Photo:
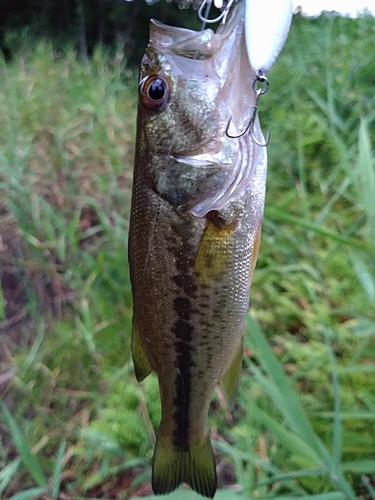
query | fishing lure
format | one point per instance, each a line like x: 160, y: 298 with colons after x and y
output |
x: 267, y: 24
x: 266, y: 28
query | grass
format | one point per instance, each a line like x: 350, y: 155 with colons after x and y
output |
x: 74, y: 422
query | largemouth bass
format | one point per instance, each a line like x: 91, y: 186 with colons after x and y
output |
x: 196, y: 215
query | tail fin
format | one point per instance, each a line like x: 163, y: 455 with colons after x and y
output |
x: 173, y: 465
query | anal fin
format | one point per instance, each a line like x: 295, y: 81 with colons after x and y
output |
x: 231, y: 377
x: 142, y: 365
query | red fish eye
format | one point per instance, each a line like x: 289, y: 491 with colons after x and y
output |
x: 154, y: 92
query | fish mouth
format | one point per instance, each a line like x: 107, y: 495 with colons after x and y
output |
x: 196, y: 44
x: 187, y: 47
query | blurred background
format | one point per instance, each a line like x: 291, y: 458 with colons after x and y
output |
x: 90, y: 23
x: 74, y: 423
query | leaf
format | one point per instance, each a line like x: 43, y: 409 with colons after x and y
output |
x: 291, y: 408
x: 8, y: 472
x: 2, y: 304
x: 23, y: 448
x: 337, y: 419
x: 30, y: 494
x: 57, y: 470
x: 294, y: 443
x: 359, y: 466
x: 278, y: 214
x: 364, y: 274
x: 364, y: 177
x: 334, y: 495
x: 286, y: 398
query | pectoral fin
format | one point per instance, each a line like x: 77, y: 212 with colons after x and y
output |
x: 254, y: 256
x: 214, y: 252
x: 142, y: 365
x: 231, y: 377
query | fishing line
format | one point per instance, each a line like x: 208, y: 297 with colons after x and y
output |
x: 204, y: 19
x: 219, y: 5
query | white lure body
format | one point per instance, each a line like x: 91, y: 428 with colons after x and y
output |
x: 267, y: 24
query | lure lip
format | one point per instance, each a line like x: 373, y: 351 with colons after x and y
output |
x: 267, y: 25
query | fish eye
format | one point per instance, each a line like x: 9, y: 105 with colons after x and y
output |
x: 154, y: 92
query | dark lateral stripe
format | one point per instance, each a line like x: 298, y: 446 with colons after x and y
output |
x: 183, y: 332
x: 182, y: 398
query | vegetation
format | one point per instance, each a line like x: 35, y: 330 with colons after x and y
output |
x: 88, y: 23
x: 74, y: 423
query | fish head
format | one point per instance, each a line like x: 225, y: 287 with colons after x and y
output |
x: 191, y: 85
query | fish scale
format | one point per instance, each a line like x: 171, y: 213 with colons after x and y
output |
x: 191, y: 273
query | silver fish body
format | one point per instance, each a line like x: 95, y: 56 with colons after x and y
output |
x: 196, y: 215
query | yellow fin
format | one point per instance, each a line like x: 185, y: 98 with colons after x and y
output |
x: 231, y: 377
x: 214, y: 252
x: 254, y: 256
x: 142, y: 365
x: 173, y: 465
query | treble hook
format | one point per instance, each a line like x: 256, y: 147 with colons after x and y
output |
x: 222, y: 16
x: 261, y: 78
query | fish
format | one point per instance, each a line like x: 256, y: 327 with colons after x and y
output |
x: 196, y: 215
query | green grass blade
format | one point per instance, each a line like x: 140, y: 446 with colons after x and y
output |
x: 365, y: 415
x: 291, y: 408
x: 23, y: 448
x: 364, y: 177
x: 293, y: 475
x: 337, y: 423
x: 97, y: 477
x: 278, y: 214
x: 8, y: 472
x: 2, y: 304
x: 327, y: 110
x: 294, y: 443
x: 288, y: 401
x: 30, y: 494
x: 365, y: 277
x: 33, y: 351
x: 359, y: 466
x: 335, y: 495
x: 367, y: 482
x: 57, y: 470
